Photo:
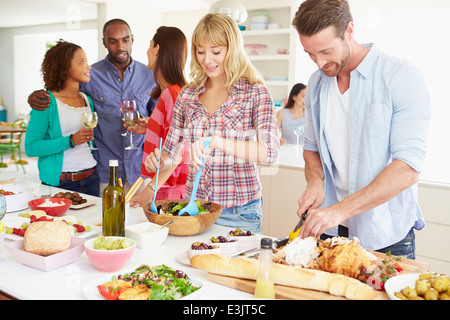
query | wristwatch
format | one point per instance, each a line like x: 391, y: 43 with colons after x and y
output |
x: 151, y: 185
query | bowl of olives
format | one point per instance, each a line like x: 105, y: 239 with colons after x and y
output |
x: 203, y: 248
x: 228, y: 246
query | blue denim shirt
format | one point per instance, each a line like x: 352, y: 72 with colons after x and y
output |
x: 389, y: 115
x: 107, y: 89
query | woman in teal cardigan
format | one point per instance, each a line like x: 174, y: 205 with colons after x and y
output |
x: 56, y: 135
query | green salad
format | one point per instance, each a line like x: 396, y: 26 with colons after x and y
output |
x: 165, y: 282
x: 174, y: 208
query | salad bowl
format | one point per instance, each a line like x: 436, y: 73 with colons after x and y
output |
x: 184, y: 225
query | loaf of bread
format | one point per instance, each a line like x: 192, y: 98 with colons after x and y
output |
x: 47, y: 237
x: 247, y: 268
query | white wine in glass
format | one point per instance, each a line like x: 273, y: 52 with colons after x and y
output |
x: 131, y: 121
x: 90, y: 120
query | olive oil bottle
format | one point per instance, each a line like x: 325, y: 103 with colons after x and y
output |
x: 265, y: 287
x: 113, y: 204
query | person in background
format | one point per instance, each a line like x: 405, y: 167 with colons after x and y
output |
x: 227, y: 102
x: 57, y: 135
x: 114, y: 78
x: 365, y: 142
x: 293, y: 114
x: 167, y: 56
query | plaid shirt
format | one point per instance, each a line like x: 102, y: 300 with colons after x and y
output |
x: 247, y: 115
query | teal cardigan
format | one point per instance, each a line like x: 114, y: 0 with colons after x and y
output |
x: 44, y: 139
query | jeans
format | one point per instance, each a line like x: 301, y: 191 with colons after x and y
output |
x: 90, y: 185
x: 404, y: 248
x: 247, y: 217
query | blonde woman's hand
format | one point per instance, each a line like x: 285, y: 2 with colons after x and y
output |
x: 198, y: 152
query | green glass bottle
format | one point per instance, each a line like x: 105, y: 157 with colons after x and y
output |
x: 113, y: 204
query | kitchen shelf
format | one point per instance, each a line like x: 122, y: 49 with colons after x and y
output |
x: 269, y: 57
x: 266, y: 32
x: 268, y: 62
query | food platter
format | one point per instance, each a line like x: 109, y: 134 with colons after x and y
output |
x: 13, y: 221
x: 90, y: 290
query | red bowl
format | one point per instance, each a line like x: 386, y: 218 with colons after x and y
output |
x: 56, y: 211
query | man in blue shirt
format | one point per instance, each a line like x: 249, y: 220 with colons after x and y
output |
x: 365, y: 141
x: 114, y: 78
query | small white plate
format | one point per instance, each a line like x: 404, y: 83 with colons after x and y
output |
x: 400, y: 282
x: 90, y: 290
x: 88, y: 203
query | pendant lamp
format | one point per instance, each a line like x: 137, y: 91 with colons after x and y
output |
x: 232, y: 8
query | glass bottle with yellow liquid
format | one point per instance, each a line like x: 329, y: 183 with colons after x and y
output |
x: 265, y: 287
x: 113, y: 204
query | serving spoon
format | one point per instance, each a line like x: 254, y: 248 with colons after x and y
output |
x: 191, y: 208
x: 153, y: 205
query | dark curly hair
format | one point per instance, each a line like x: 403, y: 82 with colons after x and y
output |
x: 56, y: 65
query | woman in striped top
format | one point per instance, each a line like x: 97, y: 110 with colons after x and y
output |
x: 166, y: 58
x: 228, y: 102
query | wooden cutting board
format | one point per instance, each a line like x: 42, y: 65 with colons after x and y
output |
x: 291, y: 293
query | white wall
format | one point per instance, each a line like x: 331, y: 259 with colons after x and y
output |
x: 415, y: 31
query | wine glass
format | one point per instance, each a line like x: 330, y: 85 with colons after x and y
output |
x: 2, y: 206
x: 298, y: 131
x: 125, y: 106
x: 90, y: 120
x: 131, y: 121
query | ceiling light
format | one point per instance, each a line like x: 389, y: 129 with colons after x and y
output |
x: 233, y: 8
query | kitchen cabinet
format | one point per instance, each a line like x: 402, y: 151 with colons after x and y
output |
x: 277, y: 69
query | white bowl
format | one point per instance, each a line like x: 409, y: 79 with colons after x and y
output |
x: 246, y: 242
x: 192, y: 252
x: 147, y: 234
x: 230, y: 247
x: 19, y: 200
x: 400, y: 282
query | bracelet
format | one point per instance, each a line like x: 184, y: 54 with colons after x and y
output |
x: 71, y: 141
x: 151, y: 185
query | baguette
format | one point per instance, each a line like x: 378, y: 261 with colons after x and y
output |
x: 247, y: 268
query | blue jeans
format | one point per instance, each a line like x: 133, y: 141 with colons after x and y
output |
x: 404, y: 248
x: 247, y: 217
x: 90, y: 185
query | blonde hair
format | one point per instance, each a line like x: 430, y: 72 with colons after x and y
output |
x: 220, y: 30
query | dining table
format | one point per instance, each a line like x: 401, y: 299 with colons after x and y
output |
x: 4, y: 129
x: 76, y: 281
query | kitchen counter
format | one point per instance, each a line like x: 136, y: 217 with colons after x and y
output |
x: 23, y: 282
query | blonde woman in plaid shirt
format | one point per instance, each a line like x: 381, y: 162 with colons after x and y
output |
x: 228, y: 102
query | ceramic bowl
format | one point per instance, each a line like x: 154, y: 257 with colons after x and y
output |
x: 56, y: 211
x: 147, y: 234
x: 109, y: 260
x: 193, y: 252
x: 185, y: 225
x: 19, y: 200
